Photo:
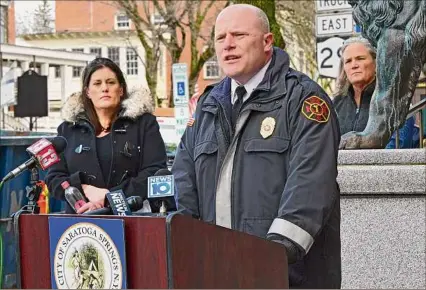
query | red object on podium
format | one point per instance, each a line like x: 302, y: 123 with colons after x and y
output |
x: 169, y: 252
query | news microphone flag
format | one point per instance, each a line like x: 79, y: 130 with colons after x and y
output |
x: 161, y: 186
x: 45, y: 153
x: 117, y: 202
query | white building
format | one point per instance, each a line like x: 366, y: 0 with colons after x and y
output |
x: 15, y: 59
x: 122, y: 47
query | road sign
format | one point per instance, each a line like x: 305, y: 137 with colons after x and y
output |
x: 328, y: 56
x: 181, y: 116
x: 334, y: 24
x: 180, y: 84
x: 181, y: 89
x: 332, y: 5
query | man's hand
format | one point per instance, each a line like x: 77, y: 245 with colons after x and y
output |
x: 293, y: 252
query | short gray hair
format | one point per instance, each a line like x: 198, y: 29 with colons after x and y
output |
x: 342, y: 82
x: 263, y: 20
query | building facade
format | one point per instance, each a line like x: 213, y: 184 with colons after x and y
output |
x: 101, y: 28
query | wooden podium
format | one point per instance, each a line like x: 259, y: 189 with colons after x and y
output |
x: 169, y: 252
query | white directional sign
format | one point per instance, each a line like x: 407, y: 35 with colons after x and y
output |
x: 335, y: 24
x: 181, y: 116
x: 328, y: 56
x: 180, y: 84
x: 332, y: 5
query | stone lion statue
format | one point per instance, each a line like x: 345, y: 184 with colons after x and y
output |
x: 397, y: 28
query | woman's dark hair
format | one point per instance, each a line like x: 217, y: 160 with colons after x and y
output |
x: 93, y: 66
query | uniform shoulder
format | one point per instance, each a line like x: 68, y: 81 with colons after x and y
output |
x: 308, y: 86
x: 206, y: 91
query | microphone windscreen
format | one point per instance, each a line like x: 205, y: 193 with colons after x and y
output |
x: 60, y: 143
x: 163, y: 171
x: 118, y: 203
x: 135, y: 203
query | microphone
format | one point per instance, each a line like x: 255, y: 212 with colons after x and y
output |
x: 119, y: 205
x: 161, y: 190
x: 43, y: 155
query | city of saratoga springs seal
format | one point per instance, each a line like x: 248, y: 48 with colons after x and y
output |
x: 87, y: 258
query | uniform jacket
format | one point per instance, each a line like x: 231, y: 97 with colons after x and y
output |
x: 137, y: 149
x: 284, y: 183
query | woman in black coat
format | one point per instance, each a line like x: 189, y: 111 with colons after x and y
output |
x: 355, y: 86
x: 114, y: 141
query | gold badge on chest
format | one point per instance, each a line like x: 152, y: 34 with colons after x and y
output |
x: 267, y: 127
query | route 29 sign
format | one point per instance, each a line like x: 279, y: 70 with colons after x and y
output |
x: 328, y: 56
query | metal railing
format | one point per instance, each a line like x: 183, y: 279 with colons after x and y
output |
x: 9, y: 121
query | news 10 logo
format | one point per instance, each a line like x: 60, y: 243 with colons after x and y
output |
x: 161, y: 186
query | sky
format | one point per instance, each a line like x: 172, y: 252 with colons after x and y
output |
x: 28, y: 6
x: 25, y: 9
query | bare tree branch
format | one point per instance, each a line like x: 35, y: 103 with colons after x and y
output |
x: 181, y: 19
x: 148, y: 40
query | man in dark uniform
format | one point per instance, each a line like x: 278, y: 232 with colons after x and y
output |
x: 261, y: 153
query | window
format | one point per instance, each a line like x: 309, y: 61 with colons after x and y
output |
x: 114, y: 54
x: 131, y: 61
x: 35, y: 67
x: 96, y: 50
x: 57, y: 72
x: 3, y: 24
x: 211, y: 69
x: 76, y: 70
x: 122, y: 22
x: 157, y: 19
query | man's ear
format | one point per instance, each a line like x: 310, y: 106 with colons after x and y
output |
x: 268, y: 41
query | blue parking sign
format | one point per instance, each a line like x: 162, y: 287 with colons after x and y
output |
x: 181, y: 89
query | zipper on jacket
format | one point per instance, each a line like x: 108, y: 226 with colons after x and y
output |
x: 123, y: 177
x: 356, y: 119
x: 112, y: 155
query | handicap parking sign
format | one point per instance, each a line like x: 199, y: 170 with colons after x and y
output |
x: 181, y: 89
x: 180, y: 84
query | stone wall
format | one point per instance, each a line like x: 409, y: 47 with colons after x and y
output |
x: 383, y: 210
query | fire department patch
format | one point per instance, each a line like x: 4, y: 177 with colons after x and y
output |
x: 316, y: 109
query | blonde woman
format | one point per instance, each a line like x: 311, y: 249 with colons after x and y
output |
x: 355, y: 87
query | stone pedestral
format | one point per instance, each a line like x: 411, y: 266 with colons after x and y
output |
x: 383, y: 210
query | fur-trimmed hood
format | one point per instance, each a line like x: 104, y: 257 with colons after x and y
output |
x: 138, y: 103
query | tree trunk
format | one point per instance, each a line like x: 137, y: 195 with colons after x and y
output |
x: 150, y: 67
